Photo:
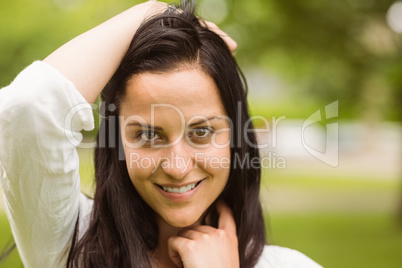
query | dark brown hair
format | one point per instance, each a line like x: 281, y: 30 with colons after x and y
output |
x: 123, y: 229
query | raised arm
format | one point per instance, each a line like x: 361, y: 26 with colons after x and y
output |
x: 90, y: 60
x: 39, y: 165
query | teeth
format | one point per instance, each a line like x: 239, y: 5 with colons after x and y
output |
x: 180, y: 190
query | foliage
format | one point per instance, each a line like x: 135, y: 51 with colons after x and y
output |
x: 321, y: 51
x: 326, y: 50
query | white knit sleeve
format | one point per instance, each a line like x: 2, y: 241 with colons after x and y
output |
x: 41, y: 116
x: 280, y: 257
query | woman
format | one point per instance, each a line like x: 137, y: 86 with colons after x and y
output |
x: 168, y: 191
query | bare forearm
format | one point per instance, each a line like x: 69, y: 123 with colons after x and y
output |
x: 90, y: 60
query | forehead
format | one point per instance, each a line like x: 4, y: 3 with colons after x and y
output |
x: 189, y: 91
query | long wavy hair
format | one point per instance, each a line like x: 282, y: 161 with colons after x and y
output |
x: 123, y: 230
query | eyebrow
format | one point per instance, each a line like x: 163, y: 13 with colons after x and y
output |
x: 199, y: 122
x: 144, y: 125
x: 205, y: 120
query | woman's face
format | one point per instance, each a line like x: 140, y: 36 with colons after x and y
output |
x: 176, y: 138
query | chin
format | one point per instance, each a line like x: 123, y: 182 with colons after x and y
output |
x: 182, y: 219
x: 181, y: 223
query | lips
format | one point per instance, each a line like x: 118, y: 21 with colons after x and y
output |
x: 179, y: 193
x: 180, y: 190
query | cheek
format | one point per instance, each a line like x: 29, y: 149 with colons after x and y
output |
x: 215, y: 161
x: 221, y: 140
x: 140, y: 166
x: 219, y: 153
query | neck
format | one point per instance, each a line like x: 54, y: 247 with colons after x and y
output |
x: 160, y: 256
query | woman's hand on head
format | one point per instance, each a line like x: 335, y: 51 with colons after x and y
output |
x: 232, y: 45
x: 205, y: 246
x: 150, y: 8
x: 91, y: 59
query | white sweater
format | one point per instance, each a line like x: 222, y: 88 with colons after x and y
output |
x: 41, y: 116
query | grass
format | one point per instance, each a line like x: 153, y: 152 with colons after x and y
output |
x: 6, y: 239
x: 303, y: 181
x: 333, y: 240
x: 370, y: 236
x: 340, y: 238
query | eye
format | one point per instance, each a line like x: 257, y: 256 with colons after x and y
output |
x: 201, y: 133
x: 148, y: 135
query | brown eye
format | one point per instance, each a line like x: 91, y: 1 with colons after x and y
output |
x: 148, y: 136
x: 201, y: 133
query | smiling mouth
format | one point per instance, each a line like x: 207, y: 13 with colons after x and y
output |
x: 182, y: 189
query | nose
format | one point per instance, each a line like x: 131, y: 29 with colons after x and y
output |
x: 179, y: 161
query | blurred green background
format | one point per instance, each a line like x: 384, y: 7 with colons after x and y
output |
x: 342, y: 207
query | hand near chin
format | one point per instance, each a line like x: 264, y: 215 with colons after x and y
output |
x: 206, y: 246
